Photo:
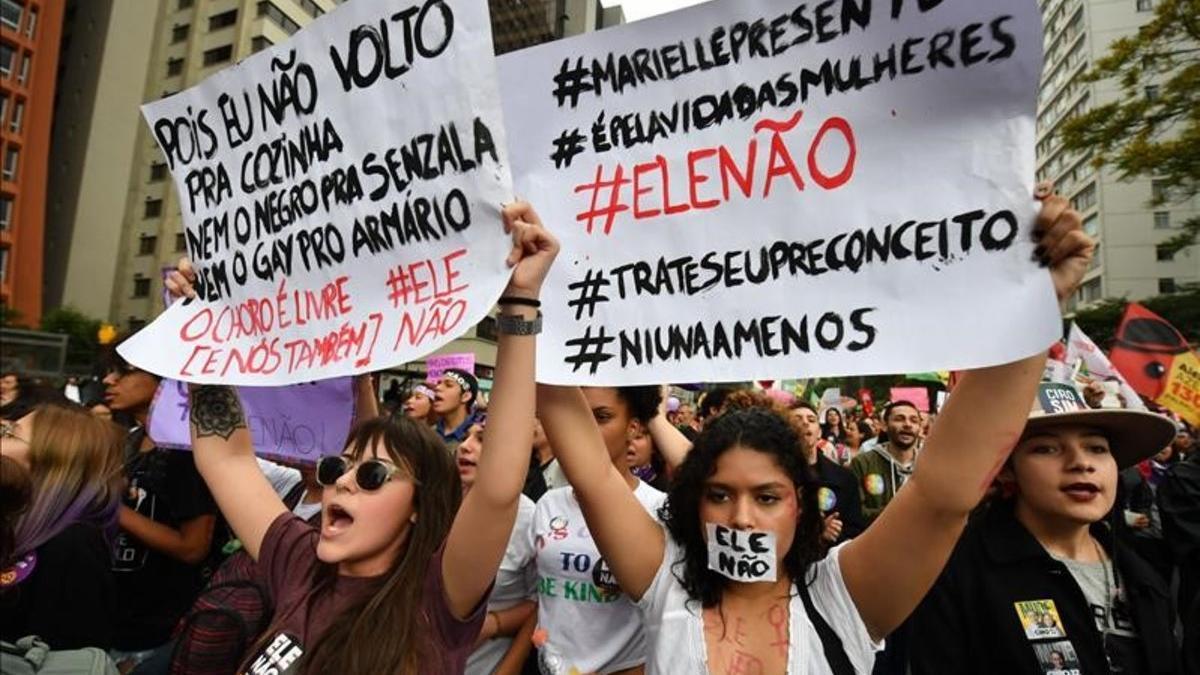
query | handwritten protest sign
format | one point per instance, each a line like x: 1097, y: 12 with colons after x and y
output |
x: 340, y: 195
x: 766, y: 189
x: 436, y: 364
x: 1182, y: 391
x: 741, y: 555
x: 297, y: 423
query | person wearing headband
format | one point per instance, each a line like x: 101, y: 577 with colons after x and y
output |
x: 454, y: 401
x: 419, y: 404
x: 1046, y: 566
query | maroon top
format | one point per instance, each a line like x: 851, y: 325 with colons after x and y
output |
x: 288, y: 565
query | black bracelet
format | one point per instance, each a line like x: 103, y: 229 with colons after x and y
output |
x: 515, y: 300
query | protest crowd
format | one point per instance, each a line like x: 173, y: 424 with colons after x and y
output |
x: 562, y: 529
x: 1039, y: 517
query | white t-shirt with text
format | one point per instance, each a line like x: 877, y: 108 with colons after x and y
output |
x: 591, y: 623
x: 675, y: 627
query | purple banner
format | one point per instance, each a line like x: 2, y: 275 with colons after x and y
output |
x: 436, y: 364
x: 298, y: 423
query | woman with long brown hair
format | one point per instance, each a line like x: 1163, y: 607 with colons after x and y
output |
x: 396, y: 577
x: 56, y: 582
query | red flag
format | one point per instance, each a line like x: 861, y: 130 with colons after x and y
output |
x: 1145, y: 347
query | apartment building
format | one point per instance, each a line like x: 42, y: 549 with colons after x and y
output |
x: 1130, y: 263
x: 29, y: 37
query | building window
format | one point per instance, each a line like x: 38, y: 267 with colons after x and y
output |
x: 141, y: 286
x: 486, y: 329
x: 1091, y: 224
x: 1145, y: 5
x: 218, y: 55
x: 260, y: 43
x: 158, y: 171
x: 11, y: 158
x: 1159, y: 191
x: 1086, y: 198
x: 1163, y: 254
x: 23, y: 75
x: 179, y: 33
x: 6, y: 207
x: 1162, y: 220
x: 1152, y: 93
x: 31, y: 24
x: 14, y: 125
x: 1090, y: 291
x: 147, y: 244
x: 3, y: 107
x: 136, y: 324
x: 180, y: 242
x: 277, y: 17
x: 1166, y: 285
x: 8, y: 56
x: 3, y: 264
x: 10, y: 13
x: 153, y: 208
x: 185, y: 4
x: 222, y: 20
x: 311, y: 8
x: 174, y: 67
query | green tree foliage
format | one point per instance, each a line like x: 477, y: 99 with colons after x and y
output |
x: 1142, y: 135
x: 1181, y: 309
x: 83, y: 345
x: 10, y: 318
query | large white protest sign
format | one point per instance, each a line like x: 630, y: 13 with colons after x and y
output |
x: 341, y: 195
x: 770, y: 189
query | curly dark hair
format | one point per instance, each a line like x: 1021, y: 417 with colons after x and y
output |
x: 758, y: 428
x: 642, y: 401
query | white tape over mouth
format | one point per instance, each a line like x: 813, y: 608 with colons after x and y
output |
x: 741, y: 555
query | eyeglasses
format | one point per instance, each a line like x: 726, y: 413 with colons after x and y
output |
x: 370, y: 474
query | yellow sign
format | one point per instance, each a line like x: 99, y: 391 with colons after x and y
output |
x: 1182, y: 391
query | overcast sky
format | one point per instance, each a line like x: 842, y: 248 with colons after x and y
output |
x: 640, y: 9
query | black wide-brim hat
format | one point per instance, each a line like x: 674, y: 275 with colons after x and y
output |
x: 1133, y: 435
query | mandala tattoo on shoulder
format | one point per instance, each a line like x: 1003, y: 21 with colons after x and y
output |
x: 216, y: 411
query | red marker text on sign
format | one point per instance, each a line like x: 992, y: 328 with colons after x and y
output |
x: 212, y: 332
x: 649, y: 183
x: 431, y: 283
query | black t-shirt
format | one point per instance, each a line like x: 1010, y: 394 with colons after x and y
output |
x: 70, y: 596
x: 155, y: 589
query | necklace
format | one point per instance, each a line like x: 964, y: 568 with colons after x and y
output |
x: 1108, y: 606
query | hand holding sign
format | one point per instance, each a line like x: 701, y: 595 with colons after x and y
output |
x: 1063, y: 246
x: 533, y: 251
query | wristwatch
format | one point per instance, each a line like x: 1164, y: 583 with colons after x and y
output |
x: 508, y: 324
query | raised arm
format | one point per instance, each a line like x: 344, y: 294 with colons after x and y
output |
x: 366, y: 403
x: 614, y: 516
x: 918, y: 529
x: 224, y: 455
x: 223, y: 449
x: 670, y: 441
x: 481, y: 529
